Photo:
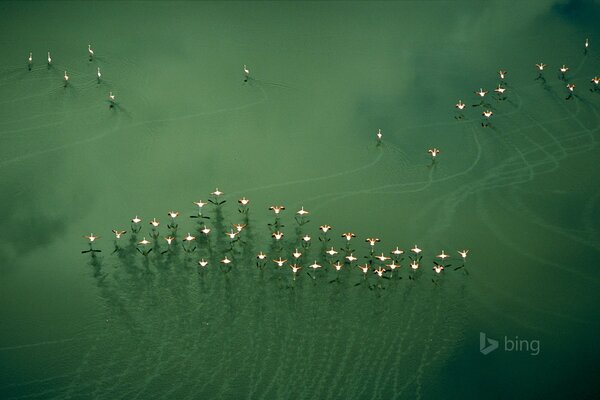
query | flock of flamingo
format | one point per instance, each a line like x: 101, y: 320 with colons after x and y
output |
x: 381, y: 265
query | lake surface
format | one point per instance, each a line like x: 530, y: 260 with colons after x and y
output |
x: 521, y: 195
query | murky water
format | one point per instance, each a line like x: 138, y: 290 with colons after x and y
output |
x: 521, y: 194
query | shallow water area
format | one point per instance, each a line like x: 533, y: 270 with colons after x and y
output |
x: 520, y: 194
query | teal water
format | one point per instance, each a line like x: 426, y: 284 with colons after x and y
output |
x: 522, y: 195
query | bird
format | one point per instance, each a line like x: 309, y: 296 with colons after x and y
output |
x: 571, y: 87
x: 414, y: 265
x: 337, y: 265
x: 246, y: 73
x: 225, y: 261
x: 295, y: 268
x: 563, y: 71
x: 296, y: 254
x: 416, y: 249
x: 118, y: 234
x: 30, y: 60
x: 442, y: 255
x: 331, y: 252
x: 173, y: 214
x: 397, y: 251
x: 217, y: 193
x: 481, y: 93
x: 205, y: 230
x: 302, y: 212
x: 277, y: 209
x: 169, y: 239
x: 239, y: 227
x: 231, y: 234
x: 379, y: 271
x: 98, y: 74
x: 379, y: 135
x: 261, y: 256
x: 280, y: 262
x: 382, y: 257
x: 351, y: 257
x: 91, y: 237
x: 136, y: 220
x: 348, y: 235
x: 144, y: 242
x: 111, y: 98
x: 434, y: 152
x: 315, y: 265
x: 154, y: 223
x: 306, y: 238
x: 277, y: 235
x: 189, y: 238
x: 463, y: 253
x: 364, y: 268
x: 66, y: 77
x: 460, y: 105
x: 90, y: 51
x: 200, y: 203
x: 500, y: 89
x: 203, y: 262
x: 372, y: 241
x: 49, y: 59
x: 438, y: 268
x: 325, y: 228
x: 243, y: 201
x: 502, y: 74
x: 392, y: 266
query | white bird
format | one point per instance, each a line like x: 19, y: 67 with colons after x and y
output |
x: 98, y: 73
x: 351, y: 258
x: 49, y: 59
x: 246, y: 71
x: 203, y: 263
x: 302, y: 212
x: 118, y: 234
x: 463, y: 253
x: 296, y: 254
x: 66, y: 77
x: 416, y: 249
x: 91, y: 237
x: 30, y: 59
x: 280, y: 262
x: 442, y: 255
x: 379, y: 135
x: 90, y: 51
x: 225, y: 260
x: 397, y: 251
x: 382, y: 257
x: 331, y: 252
x: 111, y: 97
x: 315, y: 265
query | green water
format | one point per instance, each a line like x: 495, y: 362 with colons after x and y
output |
x: 522, y: 195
